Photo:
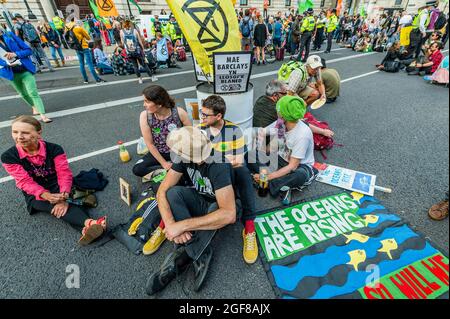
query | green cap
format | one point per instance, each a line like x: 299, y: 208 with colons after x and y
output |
x: 291, y: 108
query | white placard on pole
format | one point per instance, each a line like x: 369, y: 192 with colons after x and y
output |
x: 231, y: 72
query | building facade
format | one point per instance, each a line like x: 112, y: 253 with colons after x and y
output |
x: 46, y: 9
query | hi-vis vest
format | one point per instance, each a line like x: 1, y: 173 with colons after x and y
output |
x: 58, y: 22
x: 308, y: 24
x: 332, y: 23
x: 320, y: 23
x: 416, y: 21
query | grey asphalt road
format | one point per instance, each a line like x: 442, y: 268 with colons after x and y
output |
x: 391, y: 125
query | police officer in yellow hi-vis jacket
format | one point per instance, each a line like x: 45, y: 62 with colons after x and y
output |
x: 306, y: 31
x: 331, y: 26
x: 420, y: 23
x: 320, y: 30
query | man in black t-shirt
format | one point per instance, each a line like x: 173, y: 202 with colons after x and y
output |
x: 191, y: 215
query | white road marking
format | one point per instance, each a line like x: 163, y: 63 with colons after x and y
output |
x: 116, y: 147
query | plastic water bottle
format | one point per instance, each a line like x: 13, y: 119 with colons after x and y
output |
x: 123, y: 153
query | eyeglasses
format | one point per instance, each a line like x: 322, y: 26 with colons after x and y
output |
x: 204, y: 115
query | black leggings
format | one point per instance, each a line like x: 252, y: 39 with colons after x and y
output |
x: 148, y: 164
x: 75, y: 215
x: 136, y: 62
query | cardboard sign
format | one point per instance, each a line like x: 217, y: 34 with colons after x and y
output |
x: 193, y: 109
x: 348, y: 179
x: 125, y: 191
x: 199, y: 74
x: 231, y: 72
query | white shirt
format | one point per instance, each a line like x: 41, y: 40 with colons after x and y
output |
x: 298, y: 143
x: 406, y: 19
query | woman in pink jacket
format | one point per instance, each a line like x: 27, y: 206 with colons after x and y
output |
x: 42, y: 173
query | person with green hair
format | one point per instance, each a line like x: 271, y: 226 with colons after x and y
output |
x: 295, y: 148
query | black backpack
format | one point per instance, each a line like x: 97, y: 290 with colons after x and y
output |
x: 72, y: 40
x: 440, y: 22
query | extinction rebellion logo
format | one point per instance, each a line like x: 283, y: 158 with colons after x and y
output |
x: 209, y: 35
x: 105, y: 5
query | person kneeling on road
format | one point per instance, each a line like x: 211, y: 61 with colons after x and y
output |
x: 192, y: 216
x: 42, y: 173
x: 332, y: 82
x: 295, y: 148
x: 300, y: 80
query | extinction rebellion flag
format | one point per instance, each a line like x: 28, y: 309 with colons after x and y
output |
x: 349, y: 246
x: 209, y: 26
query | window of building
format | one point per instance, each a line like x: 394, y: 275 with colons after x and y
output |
x: 243, y: 2
x: 287, y: 3
x: 398, y: 2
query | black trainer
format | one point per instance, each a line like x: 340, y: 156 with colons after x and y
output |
x: 170, y: 269
x: 201, y: 267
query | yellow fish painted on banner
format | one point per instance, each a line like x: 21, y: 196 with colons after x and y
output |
x: 357, y: 257
x: 371, y: 219
x: 357, y: 196
x: 387, y: 246
x: 356, y: 236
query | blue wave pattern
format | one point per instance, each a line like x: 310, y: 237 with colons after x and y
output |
x: 370, y: 209
x: 384, y: 218
x: 357, y: 280
x: 288, y: 278
x: 368, y: 199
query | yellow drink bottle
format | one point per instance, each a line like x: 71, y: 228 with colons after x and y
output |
x: 123, y: 153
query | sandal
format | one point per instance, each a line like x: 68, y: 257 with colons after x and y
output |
x: 93, y: 231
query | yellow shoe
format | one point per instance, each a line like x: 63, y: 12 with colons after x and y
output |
x: 155, y: 241
x: 250, y: 250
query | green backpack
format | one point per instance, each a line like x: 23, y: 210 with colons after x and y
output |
x: 286, y: 69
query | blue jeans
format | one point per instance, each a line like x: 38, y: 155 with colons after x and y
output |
x: 107, y: 69
x: 85, y: 56
x: 53, y: 51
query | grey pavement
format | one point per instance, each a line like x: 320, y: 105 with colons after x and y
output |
x: 391, y: 125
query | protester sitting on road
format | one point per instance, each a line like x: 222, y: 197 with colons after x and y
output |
x: 229, y: 146
x: 84, y: 55
x: 434, y: 58
x: 102, y: 62
x: 392, y: 55
x: 17, y: 67
x: 332, y: 82
x: 120, y: 64
x: 300, y: 79
x: 193, y: 215
x: 54, y: 43
x: 134, y: 47
x: 159, y: 118
x: 363, y: 44
x: 441, y: 75
x: 264, y: 110
x: 296, y: 148
x: 42, y: 173
x: 434, y: 37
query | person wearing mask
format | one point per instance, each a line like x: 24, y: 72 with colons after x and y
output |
x: 16, y: 67
x: 260, y: 35
x: 159, y: 118
x: 331, y: 26
x: 41, y: 171
x: 246, y: 28
x: 134, y: 47
x: 55, y: 44
x: 83, y: 52
x: 320, y: 31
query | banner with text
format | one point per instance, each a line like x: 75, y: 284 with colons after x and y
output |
x: 349, y: 246
x: 232, y: 72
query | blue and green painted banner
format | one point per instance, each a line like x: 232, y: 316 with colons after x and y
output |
x: 348, y: 246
